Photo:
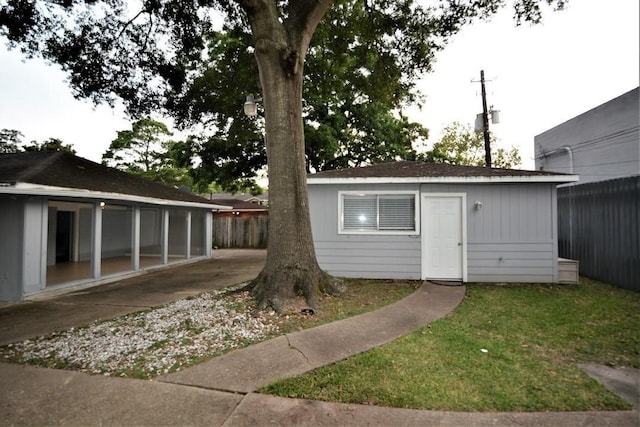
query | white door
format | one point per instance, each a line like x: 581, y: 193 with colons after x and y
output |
x: 443, y: 237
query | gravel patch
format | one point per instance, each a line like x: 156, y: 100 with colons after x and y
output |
x: 154, y: 342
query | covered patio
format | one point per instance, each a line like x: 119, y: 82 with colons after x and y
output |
x: 69, y: 221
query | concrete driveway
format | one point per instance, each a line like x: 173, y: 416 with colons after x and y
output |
x: 23, y: 320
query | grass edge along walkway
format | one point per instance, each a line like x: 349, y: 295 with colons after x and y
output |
x: 505, y: 348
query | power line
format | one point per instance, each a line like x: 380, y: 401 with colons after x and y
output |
x: 619, y: 137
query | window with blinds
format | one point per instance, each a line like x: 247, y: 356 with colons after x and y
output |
x: 360, y: 212
x: 378, y: 212
x: 396, y: 212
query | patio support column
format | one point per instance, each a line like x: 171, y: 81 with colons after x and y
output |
x: 44, y: 247
x: 187, y: 235
x: 135, y: 238
x: 554, y: 233
x: 208, y: 233
x: 164, y: 244
x: 96, y: 241
x: 34, y: 241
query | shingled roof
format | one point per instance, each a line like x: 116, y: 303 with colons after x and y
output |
x: 49, y: 170
x: 431, y: 172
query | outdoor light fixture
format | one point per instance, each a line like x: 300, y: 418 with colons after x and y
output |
x: 102, y: 205
x: 477, y: 205
x: 251, y: 106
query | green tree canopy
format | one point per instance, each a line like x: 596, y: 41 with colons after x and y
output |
x: 11, y: 142
x: 50, y: 144
x: 151, y: 56
x: 461, y: 145
x: 356, y: 84
x: 138, y: 149
x: 146, y: 150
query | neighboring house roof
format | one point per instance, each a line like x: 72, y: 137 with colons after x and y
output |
x: 408, y: 171
x: 262, y: 199
x: 57, y: 173
x: 240, y: 205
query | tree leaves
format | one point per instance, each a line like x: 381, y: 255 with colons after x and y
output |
x: 164, y: 56
x: 461, y: 145
x: 11, y: 142
x: 145, y: 150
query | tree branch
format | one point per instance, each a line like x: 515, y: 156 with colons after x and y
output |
x: 263, y: 16
x: 304, y: 17
x: 125, y: 25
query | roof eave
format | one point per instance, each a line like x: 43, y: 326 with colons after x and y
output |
x: 558, y: 179
x: 51, y: 191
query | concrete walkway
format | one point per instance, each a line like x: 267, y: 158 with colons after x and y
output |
x: 222, y: 391
x: 247, y: 369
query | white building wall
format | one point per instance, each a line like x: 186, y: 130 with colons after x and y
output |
x: 34, y: 241
x: 600, y: 144
x: 208, y: 233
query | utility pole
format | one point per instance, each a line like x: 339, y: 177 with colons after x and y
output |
x: 485, y: 123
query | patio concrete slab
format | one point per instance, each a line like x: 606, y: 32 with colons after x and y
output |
x: 75, y: 307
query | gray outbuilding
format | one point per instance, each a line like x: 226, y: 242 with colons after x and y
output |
x: 66, y: 221
x: 419, y: 220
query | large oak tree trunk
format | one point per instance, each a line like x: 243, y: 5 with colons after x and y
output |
x: 291, y: 268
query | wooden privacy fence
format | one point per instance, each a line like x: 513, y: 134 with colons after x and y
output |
x: 240, y: 232
x: 599, y: 225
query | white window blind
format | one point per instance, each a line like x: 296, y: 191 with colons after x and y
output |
x: 359, y: 212
x: 378, y: 212
x: 397, y: 212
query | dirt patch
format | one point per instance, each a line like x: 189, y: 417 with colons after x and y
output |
x: 361, y: 296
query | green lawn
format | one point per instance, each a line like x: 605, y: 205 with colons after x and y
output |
x: 505, y: 348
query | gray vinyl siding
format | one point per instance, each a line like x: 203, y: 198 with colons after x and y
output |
x: 512, y: 238
x: 11, y: 217
x: 372, y: 257
x: 511, y: 262
x: 360, y: 255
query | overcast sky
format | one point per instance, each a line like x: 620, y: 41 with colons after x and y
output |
x: 540, y: 77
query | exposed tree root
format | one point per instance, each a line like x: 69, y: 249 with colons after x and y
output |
x: 273, y: 288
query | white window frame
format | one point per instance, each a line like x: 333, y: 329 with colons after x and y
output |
x: 416, y: 219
